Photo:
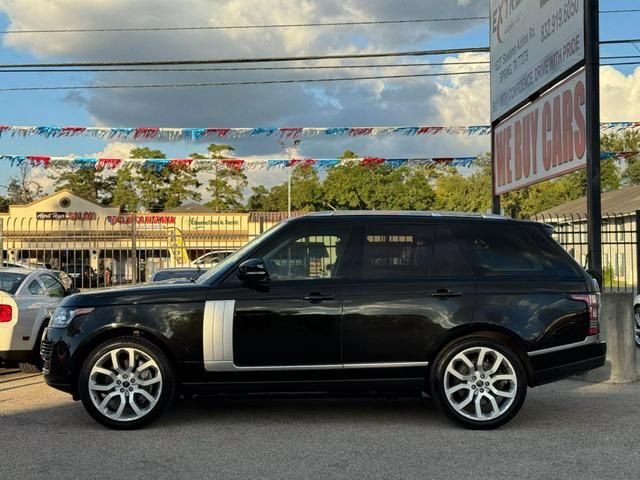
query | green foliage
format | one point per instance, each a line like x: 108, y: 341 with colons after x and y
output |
x: 4, y: 204
x: 378, y: 187
x: 140, y: 187
x: 87, y: 183
x: 628, y: 141
x: 227, y: 184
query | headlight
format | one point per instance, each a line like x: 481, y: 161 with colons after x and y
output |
x: 63, y: 316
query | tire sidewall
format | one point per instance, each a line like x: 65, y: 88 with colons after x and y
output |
x: 437, y: 382
x: 168, y: 382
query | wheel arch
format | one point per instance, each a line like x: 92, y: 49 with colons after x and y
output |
x: 496, y: 332
x: 105, y: 335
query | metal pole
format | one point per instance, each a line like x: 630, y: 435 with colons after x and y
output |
x: 592, y: 66
x: 289, y: 192
x: 637, y: 232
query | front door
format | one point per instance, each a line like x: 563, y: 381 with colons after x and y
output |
x: 292, y: 321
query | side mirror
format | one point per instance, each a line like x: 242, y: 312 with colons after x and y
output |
x: 253, y: 270
x: 71, y: 291
x: 596, y: 276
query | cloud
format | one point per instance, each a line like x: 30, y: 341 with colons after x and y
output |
x: 619, y: 95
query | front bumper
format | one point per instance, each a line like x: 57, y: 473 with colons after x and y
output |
x: 558, y: 364
x: 56, y: 356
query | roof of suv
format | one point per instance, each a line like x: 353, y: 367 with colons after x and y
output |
x: 407, y: 214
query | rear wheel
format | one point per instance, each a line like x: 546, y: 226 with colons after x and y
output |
x: 126, y: 383
x: 479, y: 383
x: 636, y: 316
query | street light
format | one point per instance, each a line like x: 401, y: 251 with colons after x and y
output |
x: 292, y: 152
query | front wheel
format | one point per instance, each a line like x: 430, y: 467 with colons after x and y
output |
x: 126, y: 383
x: 479, y: 383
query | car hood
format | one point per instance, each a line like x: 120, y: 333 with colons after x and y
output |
x: 141, y: 294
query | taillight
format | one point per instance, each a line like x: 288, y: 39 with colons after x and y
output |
x: 6, y: 312
x: 593, y: 303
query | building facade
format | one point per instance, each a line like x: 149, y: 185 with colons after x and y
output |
x: 70, y: 233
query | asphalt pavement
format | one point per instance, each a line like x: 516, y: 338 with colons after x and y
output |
x: 569, y: 429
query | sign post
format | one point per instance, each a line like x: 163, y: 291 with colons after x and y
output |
x: 592, y: 70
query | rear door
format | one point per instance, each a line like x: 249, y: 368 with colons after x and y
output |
x: 410, y: 286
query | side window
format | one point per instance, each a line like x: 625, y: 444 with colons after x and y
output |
x: 397, y: 251
x: 308, y: 253
x: 448, y: 260
x: 501, y: 249
x: 54, y: 287
x: 35, y: 288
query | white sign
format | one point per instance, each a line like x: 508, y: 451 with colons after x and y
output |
x: 546, y: 139
x: 532, y: 43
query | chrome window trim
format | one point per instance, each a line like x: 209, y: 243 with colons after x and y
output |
x: 587, y: 341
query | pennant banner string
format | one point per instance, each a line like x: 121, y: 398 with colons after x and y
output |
x: 197, y: 134
x: 159, y: 164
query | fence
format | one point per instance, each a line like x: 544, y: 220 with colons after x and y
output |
x: 620, y: 246
x: 126, y: 249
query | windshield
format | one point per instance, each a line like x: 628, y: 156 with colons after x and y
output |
x: 231, y: 259
x: 10, y: 282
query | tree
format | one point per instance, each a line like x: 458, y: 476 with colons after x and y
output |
x: 628, y: 141
x: 154, y: 189
x: 23, y: 188
x: 258, y: 199
x: 378, y: 187
x: 4, y: 204
x: 87, y: 183
x: 227, y: 184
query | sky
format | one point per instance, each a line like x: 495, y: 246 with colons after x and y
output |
x: 462, y: 100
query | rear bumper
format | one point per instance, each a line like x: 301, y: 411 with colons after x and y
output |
x: 562, y: 363
x: 16, y: 355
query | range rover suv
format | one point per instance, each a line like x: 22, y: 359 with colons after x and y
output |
x: 472, y: 310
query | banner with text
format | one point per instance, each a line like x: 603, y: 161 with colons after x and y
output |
x: 544, y: 140
x: 533, y: 42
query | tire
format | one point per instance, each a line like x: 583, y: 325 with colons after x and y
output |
x: 479, y: 398
x: 636, y: 317
x: 121, y: 396
x: 30, y: 368
x: 35, y: 363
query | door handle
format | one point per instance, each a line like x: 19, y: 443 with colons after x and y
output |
x: 444, y: 293
x: 317, y: 297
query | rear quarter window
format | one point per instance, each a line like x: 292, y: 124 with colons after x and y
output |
x: 511, y: 249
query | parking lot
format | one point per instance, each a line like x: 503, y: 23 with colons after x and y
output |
x: 569, y: 429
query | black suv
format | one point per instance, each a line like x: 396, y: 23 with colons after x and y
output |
x: 469, y: 309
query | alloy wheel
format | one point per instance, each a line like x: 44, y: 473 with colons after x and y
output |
x: 636, y: 315
x: 125, y: 384
x: 480, y: 383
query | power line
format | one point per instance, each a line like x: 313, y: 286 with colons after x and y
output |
x: 257, y: 69
x: 615, y: 42
x: 267, y: 26
x: 253, y: 82
x: 411, y: 53
x: 247, y: 27
x: 243, y: 69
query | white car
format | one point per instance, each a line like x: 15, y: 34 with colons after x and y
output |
x: 636, y: 317
x: 211, y: 259
x: 27, y: 300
